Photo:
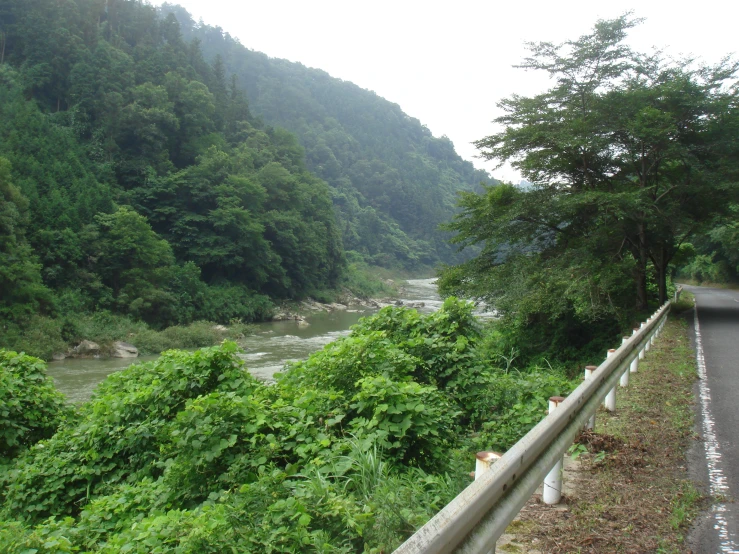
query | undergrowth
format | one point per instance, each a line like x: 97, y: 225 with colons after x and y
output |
x: 349, y: 451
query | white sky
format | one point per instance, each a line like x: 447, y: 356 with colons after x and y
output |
x: 449, y: 63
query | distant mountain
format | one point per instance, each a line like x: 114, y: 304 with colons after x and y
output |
x: 523, y: 184
x: 392, y: 182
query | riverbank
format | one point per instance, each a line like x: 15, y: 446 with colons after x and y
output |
x: 268, y: 346
x: 70, y: 334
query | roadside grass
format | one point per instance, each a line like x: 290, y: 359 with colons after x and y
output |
x: 632, y: 492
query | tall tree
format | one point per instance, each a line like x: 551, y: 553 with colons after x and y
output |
x: 628, y: 156
x: 21, y: 290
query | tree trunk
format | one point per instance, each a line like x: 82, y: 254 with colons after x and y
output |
x: 662, y: 283
x: 661, y: 266
x: 641, y: 271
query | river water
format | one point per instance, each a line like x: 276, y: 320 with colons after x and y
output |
x: 272, y: 344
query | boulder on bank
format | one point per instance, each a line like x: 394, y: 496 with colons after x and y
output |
x: 86, y: 348
x: 124, y: 350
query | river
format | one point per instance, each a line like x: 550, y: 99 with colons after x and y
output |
x: 266, y: 351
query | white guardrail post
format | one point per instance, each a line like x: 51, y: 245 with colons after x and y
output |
x: 635, y: 362
x: 678, y: 290
x: 589, y: 369
x: 624, y: 381
x: 473, y: 521
x: 484, y: 461
x: 552, y: 491
x: 610, y: 401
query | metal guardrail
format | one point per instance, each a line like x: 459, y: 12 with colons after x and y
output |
x: 478, y: 516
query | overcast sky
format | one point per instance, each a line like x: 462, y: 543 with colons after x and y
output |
x: 449, y: 63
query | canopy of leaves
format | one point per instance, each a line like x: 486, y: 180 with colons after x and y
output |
x: 629, y: 155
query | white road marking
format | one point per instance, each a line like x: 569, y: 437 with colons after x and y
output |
x: 716, y: 477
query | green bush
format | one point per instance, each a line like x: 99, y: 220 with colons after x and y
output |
x: 703, y: 269
x: 349, y: 451
x: 225, y: 303
x: 364, y: 281
x: 196, y: 335
x: 38, y: 336
x: 414, y: 424
x: 515, y: 403
x: 117, y: 436
x: 31, y: 409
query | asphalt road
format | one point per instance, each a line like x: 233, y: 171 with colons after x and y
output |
x: 714, y: 461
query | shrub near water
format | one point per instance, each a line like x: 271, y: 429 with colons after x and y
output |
x: 351, y: 450
x: 31, y: 408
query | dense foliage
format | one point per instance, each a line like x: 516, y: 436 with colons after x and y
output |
x: 351, y: 450
x: 134, y: 179
x: 629, y: 155
x: 392, y: 182
x: 714, y: 256
x: 31, y: 408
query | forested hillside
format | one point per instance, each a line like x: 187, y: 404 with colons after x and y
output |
x: 392, y: 182
x: 136, y: 180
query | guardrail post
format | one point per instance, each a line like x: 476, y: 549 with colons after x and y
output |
x: 552, y: 492
x: 624, y: 381
x: 648, y: 344
x: 610, y: 400
x: 484, y: 461
x: 654, y: 336
x: 635, y: 362
x: 589, y: 369
x: 643, y: 351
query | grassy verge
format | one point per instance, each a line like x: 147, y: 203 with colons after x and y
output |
x: 632, y: 492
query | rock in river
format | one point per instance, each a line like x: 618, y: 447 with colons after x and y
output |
x: 86, y: 348
x: 124, y: 350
